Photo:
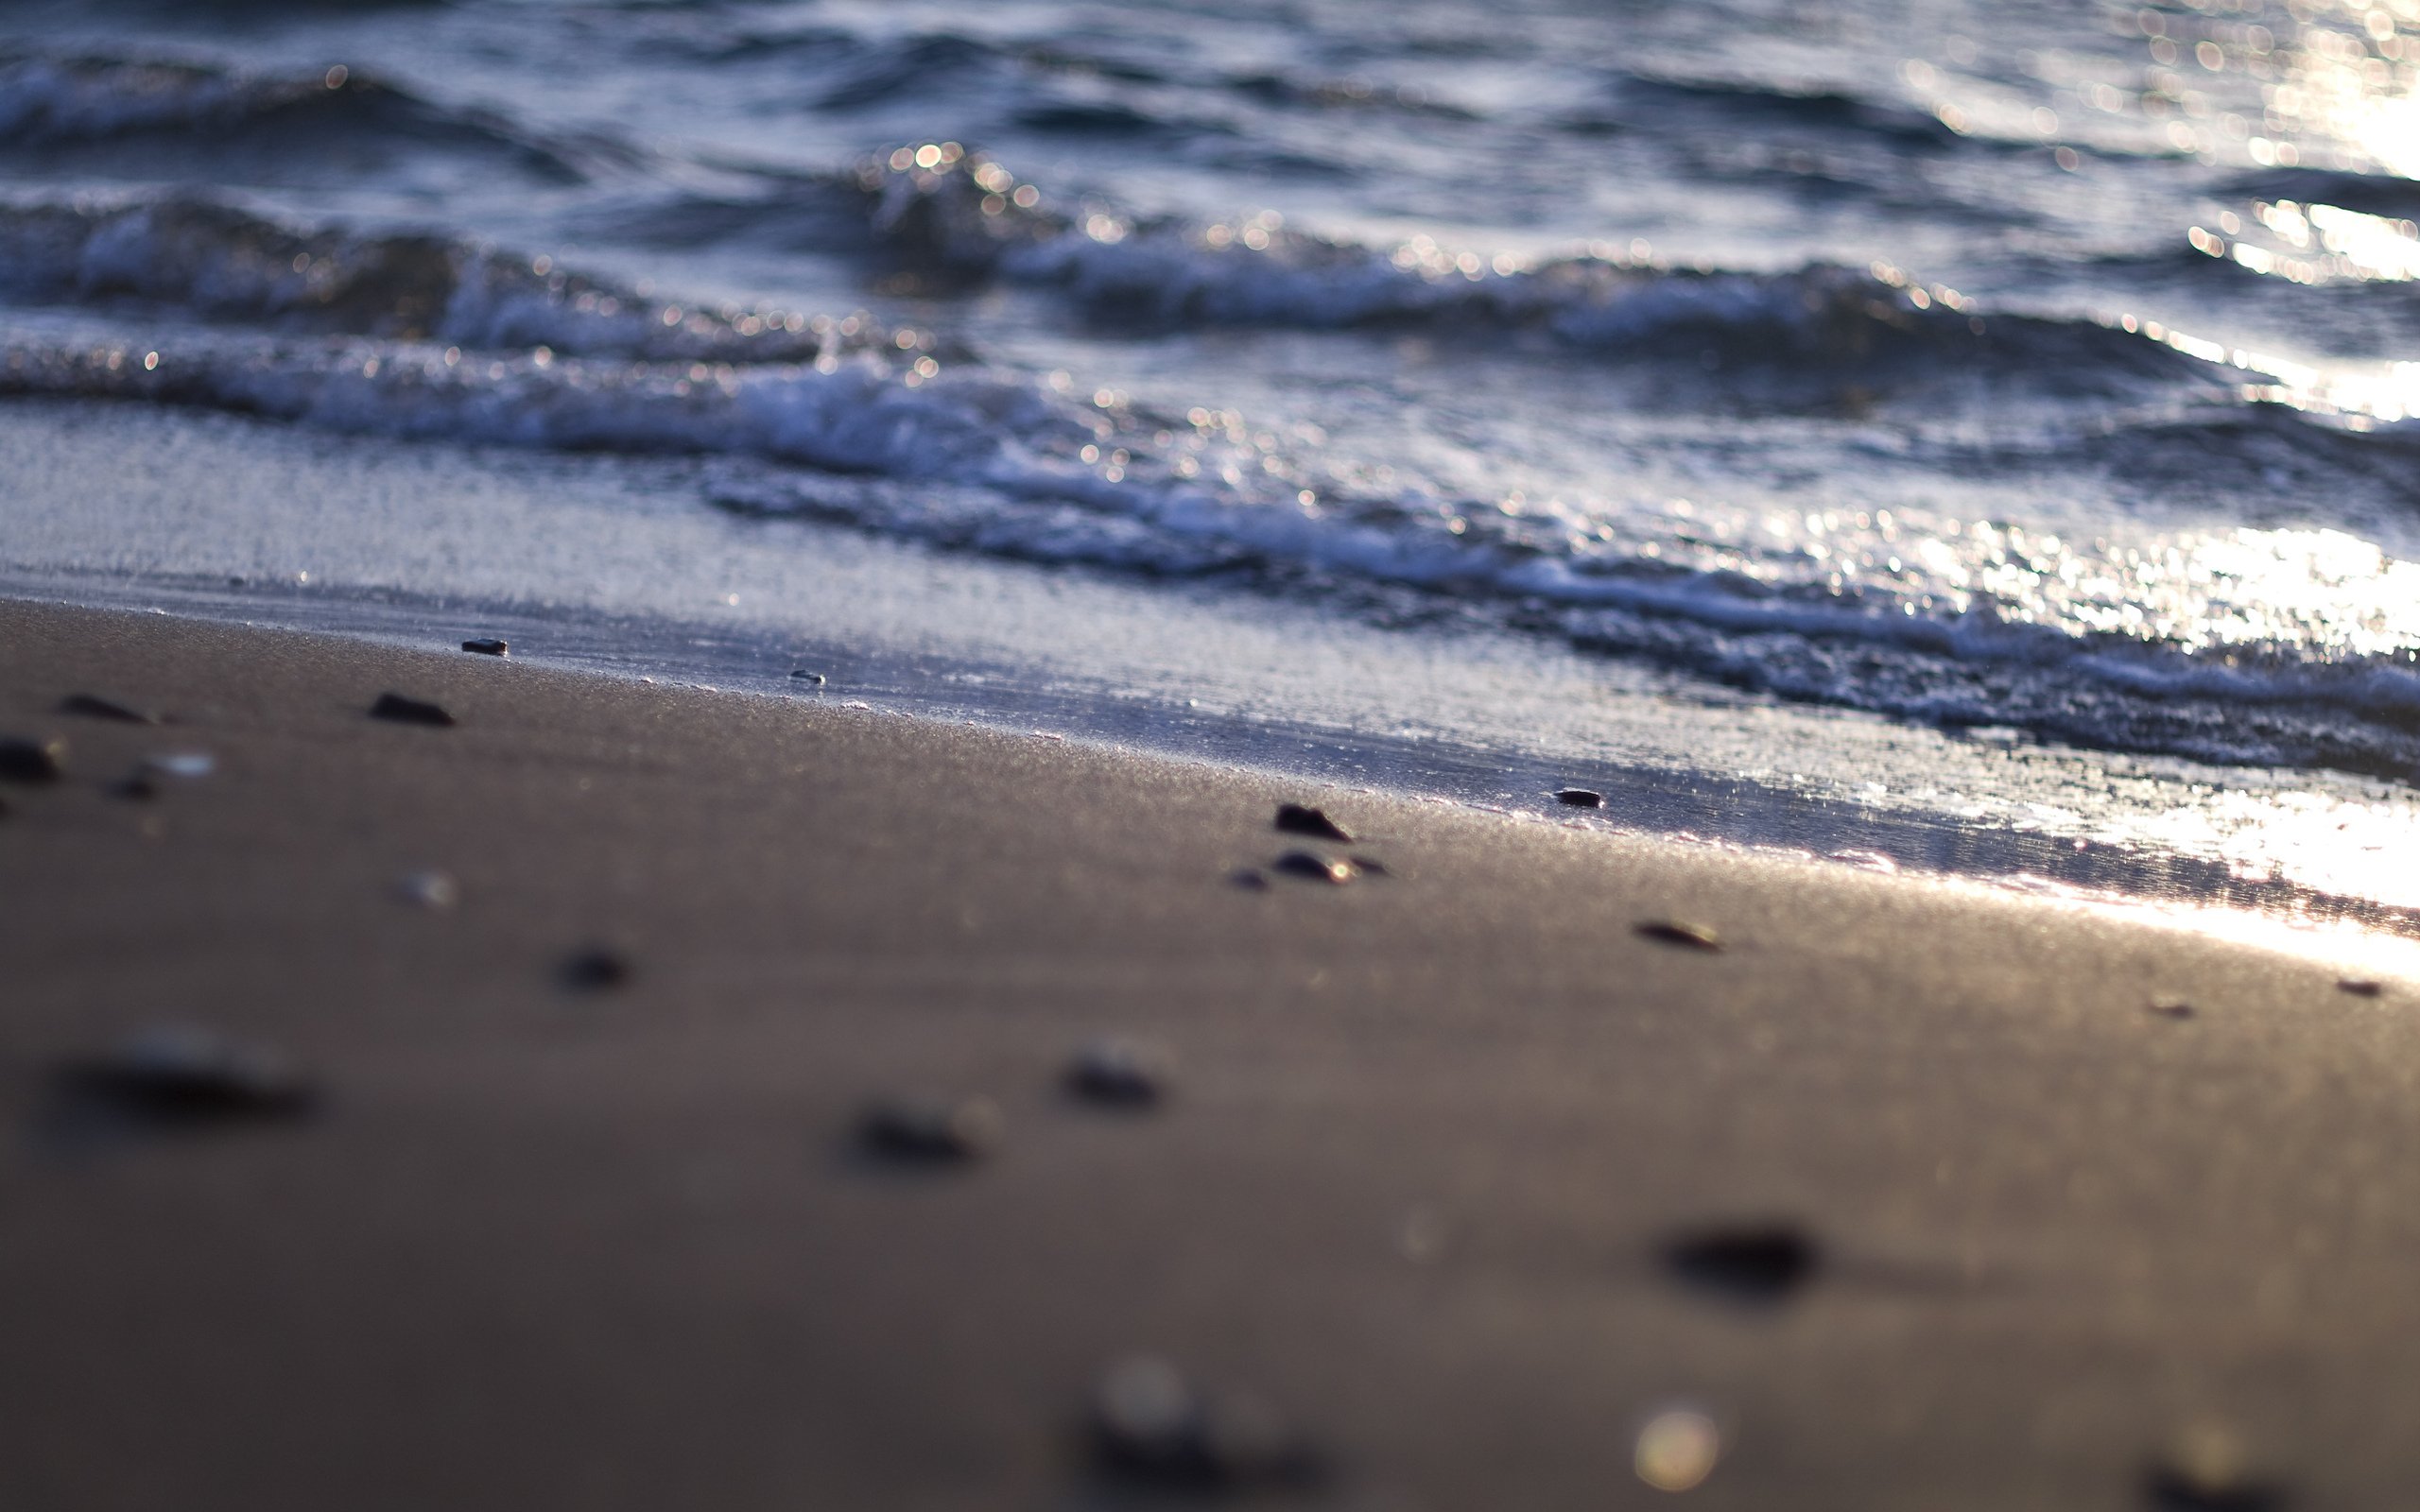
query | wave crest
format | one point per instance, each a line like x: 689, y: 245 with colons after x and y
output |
x: 149, y: 117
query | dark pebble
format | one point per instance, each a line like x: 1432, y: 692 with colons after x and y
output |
x: 931, y: 1128
x: 136, y: 787
x: 1673, y: 932
x: 30, y: 760
x: 190, y: 1077
x: 2185, y: 1489
x: 1121, y: 1072
x: 1296, y: 819
x: 1317, y: 868
x: 404, y: 711
x: 2361, y: 988
x: 2172, y: 1011
x: 1152, y: 1425
x: 488, y: 645
x: 1753, y: 1263
x: 594, y: 971
x: 815, y: 678
x: 1579, y: 798
x: 92, y: 707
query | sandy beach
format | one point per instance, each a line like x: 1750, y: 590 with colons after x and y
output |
x: 1921, y: 1196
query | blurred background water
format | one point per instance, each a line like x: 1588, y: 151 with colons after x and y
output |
x: 1991, y: 420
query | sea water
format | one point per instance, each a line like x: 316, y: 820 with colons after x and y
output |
x: 1971, y: 437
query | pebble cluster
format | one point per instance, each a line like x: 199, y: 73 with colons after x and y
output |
x: 1151, y: 1425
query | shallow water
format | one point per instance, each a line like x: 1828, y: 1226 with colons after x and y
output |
x: 2003, y: 407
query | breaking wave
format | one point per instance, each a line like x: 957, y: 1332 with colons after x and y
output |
x: 218, y: 262
x: 974, y: 458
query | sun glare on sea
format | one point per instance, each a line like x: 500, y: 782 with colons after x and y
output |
x: 2389, y: 130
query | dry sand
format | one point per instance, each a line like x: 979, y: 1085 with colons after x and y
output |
x: 1431, y: 1137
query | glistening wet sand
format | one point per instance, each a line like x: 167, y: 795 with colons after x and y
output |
x: 1906, y: 1189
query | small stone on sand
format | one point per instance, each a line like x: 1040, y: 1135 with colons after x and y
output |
x: 926, y: 1128
x: 1120, y: 1073
x: 136, y: 786
x: 1756, y: 1263
x: 1152, y: 1425
x: 1676, y: 932
x: 2203, y: 1470
x: 1295, y: 818
x: 593, y: 970
x: 814, y: 678
x: 2169, y: 1009
x: 432, y: 890
x: 31, y: 761
x: 404, y: 711
x: 1316, y: 868
x: 1579, y: 798
x: 2360, y: 987
x: 92, y: 707
x: 188, y: 1076
x: 488, y: 645
x: 1676, y: 1450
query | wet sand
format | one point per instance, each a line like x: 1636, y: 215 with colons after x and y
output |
x: 547, y: 1240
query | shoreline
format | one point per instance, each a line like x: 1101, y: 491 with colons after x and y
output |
x: 624, y: 568
x: 1655, y: 801
x: 1436, y: 1143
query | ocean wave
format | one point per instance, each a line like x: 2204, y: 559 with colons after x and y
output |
x: 2375, y: 194
x: 702, y: 39
x: 858, y: 416
x: 823, y: 215
x: 963, y: 221
x: 1327, y: 92
x: 2259, y: 451
x: 1762, y: 107
x: 1975, y: 626
x: 1032, y: 77
x: 880, y: 72
x: 152, y: 117
x: 2361, y: 716
x: 1254, y: 271
x: 200, y: 259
